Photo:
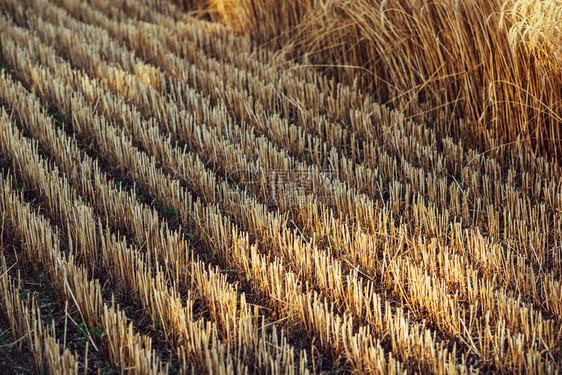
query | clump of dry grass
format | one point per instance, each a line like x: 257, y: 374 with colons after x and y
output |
x: 477, y: 68
x: 262, y: 19
x: 538, y: 25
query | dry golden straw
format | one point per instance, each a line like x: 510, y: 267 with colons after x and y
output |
x: 266, y: 218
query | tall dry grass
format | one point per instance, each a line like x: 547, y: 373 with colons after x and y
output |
x: 538, y: 24
x: 480, y: 69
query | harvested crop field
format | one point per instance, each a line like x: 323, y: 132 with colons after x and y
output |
x: 176, y: 199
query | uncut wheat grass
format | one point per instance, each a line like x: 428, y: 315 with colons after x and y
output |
x: 474, y: 68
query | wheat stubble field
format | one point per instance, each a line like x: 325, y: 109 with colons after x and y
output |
x: 176, y: 200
